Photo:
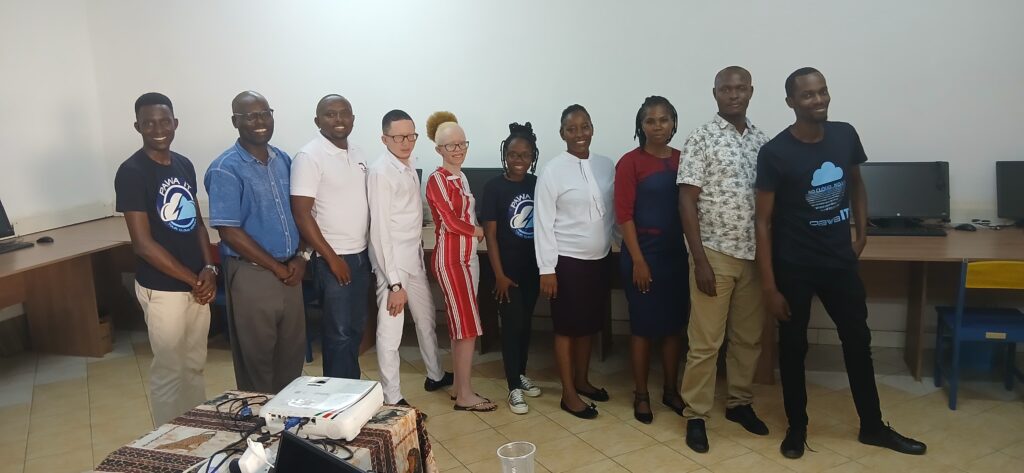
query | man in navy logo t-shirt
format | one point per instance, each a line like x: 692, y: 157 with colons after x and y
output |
x: 807, y: 178
x: 175, y: 276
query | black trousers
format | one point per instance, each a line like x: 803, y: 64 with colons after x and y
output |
x: 516, y: 317
x: 842, y: 293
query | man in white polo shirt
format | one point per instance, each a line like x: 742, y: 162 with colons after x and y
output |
x: 328, y: 187
x: 396, y: 248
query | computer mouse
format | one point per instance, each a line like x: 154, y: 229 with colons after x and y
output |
x: 966, y: 227
x: 45, y: 239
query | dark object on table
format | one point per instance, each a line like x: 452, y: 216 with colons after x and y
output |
x: 966, y: 227
x: 45, y: 239
x: 297, y: 455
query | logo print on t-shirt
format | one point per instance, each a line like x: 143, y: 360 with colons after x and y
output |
x: 177, y: 208
x: 520, y: 216
x: 827, y: 187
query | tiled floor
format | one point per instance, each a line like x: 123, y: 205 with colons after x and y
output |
x: 64, y: 414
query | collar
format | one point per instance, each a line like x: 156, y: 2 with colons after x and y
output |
x: 448, y: 174
x: 330, y: 148
x: 723, y: 123
x: 395, y: 163
x: 247, y: 156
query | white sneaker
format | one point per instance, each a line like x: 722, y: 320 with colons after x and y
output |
x: 516, y: 403
x: 529, y: 388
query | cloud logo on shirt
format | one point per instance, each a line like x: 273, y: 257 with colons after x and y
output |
x: 178, y: 209
x: 520, y: 214
x: 826, y: 174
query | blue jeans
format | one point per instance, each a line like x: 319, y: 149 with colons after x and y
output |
x: 344, y: 314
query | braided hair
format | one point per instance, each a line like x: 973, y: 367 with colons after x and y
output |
x: 515, y: 130
x: 648, y: 103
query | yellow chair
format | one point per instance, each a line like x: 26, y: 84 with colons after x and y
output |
x: 959, y: 324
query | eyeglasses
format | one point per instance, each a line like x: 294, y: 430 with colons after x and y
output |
x: 528, y: 155
x: 253, y: 116
x: 455, y: 146
x: 403, y: 138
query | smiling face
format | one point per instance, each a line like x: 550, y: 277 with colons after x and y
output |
x: 810, y: 98
x: 334, y: 118
x: 254, y: 119
x: 518, y: 158
x: 156, y: 124
x: 452, y: 135
x: 578, y: 132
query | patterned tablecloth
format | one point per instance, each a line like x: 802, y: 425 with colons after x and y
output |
x: 394, y: 441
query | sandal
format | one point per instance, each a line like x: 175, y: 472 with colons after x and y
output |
x: 645, y: 417
x: 600, y: 395
x: 478, y: 407
x: 668, y: 400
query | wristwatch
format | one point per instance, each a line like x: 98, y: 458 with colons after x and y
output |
x: 214, y: 268
x: 395, y: 287
x: 306, y: 254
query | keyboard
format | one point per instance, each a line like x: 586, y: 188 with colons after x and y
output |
x: 906, y: 231
x: 14, y: 245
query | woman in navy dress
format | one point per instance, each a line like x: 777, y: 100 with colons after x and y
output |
x: 654, y: 259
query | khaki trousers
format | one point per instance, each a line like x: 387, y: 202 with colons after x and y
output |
x: 737, y: 312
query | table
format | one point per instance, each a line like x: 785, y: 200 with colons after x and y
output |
x: 920, y: 254
x: 394, y: 441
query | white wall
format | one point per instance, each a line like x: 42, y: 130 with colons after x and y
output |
x: 922, y: 80
x: 52, y: 168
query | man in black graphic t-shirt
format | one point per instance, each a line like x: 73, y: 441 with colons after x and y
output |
x: 807, y: 177
x: 175, y: 279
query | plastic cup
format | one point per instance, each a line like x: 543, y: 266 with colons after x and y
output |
x: 517, y: 457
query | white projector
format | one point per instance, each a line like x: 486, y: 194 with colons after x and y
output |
x: 335, y: 408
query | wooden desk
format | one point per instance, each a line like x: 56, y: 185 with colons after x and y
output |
x: 63, y: 284
x: 920, y: 254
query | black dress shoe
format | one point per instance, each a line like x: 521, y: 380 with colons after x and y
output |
x: 447, y: 380
x: 793, y: 445
x: 668, y: 399
x: 600, y: 395
x: 888, y: 438
x: 745, y: 416
x: 645, y: 417
x: 402, y: 402
x: 588, y: 412
x: 697, y: 436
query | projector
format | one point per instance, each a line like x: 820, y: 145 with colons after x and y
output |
x: 334, y: 408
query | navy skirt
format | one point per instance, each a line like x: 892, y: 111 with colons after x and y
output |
x: 665, y: 309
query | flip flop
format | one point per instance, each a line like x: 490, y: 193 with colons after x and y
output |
x: 477, y: 407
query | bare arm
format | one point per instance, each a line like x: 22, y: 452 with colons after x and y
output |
x: 703, y: 274
x: 641, y: 272
x: 302, y: 209
x: 764, y: 207
x: 156, y: 255
x: 502, y: 282
x: 859, y: 202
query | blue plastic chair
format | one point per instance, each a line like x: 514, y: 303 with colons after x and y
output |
x: 959, y: 323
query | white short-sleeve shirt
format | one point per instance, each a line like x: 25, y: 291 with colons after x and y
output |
x: 336, y: 179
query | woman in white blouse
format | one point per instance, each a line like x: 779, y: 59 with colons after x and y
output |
x: 573, y: 224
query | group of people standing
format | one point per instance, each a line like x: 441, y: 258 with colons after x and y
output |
x: 753, y: 227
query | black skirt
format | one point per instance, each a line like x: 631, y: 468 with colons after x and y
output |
x: 582, y: 304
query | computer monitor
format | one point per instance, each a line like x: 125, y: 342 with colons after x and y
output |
x: 297, y: 455
x: 478, y: 179
x: 907, y: 190
x: 1010, y: 190
x: 6, y: 229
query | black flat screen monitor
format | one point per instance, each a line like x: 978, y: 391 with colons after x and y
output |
x: 1010, y: 189
x: 296, y: 455
x: 907, y: 190
x: 6, y: 229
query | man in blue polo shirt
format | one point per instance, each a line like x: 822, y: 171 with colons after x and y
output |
x: 249, y: 190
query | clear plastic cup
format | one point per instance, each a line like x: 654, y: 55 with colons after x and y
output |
x: 517, y: 457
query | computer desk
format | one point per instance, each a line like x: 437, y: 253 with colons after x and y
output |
x: 922, y: 255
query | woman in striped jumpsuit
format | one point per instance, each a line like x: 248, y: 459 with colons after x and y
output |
x: 455, y: 263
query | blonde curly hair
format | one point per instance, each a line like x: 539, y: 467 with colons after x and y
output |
x: 436, y: 120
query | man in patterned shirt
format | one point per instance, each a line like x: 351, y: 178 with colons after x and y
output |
x: 717, y: 169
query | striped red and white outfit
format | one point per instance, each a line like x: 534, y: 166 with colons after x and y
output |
x: 455, y: 263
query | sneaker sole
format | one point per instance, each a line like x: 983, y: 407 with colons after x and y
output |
x: 533, y: 393
x: 518, y: 410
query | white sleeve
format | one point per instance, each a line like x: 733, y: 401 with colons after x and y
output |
x: 378, y: 194
x: 305, y: 176
x: 544, y: 222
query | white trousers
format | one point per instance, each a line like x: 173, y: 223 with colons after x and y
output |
x: 177, y: 327
x: 389, y: 331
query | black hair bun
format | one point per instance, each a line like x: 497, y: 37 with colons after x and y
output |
x: 517, y: 128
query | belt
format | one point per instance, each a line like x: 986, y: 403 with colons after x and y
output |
x: 243, y: 260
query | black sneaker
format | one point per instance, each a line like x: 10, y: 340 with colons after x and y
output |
x: 697, y: 436
x: 888, y: 438
x: 447, y: 380
x: 745, y: 416
x: 793, y: 445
